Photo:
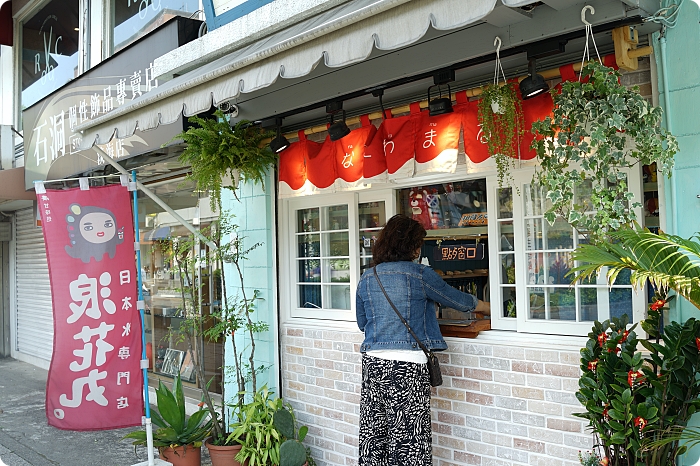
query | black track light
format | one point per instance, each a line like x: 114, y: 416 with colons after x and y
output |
x: 534, y: 84
x: 279, y: 143
x: 440, y: 105
x: 338, y: 130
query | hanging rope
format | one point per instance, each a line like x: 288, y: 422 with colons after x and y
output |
x: 497, y: 44
x: 667, y: 15
x: 589, y: 35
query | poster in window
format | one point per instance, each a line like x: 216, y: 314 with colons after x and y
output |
x: 187, y: 370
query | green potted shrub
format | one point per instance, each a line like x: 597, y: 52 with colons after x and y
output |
x: 639, y: 405
x: 215, y: 150
x: 292, y: 451
x: 177, y: 437
x: 598, y: 132
x: 501, y: 117
x: 255, y: 431
x: 235, y: 314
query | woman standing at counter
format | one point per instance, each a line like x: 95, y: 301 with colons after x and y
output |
x: 395, y: 401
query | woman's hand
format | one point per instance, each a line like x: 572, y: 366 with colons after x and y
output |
x: 483, y: 308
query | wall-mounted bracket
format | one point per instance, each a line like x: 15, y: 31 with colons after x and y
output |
x: 626, y: 40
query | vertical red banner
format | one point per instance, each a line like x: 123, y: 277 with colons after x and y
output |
x: 95, y: 381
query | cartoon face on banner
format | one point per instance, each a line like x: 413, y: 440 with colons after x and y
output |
x: 95, y: 380
x: 93, y: 233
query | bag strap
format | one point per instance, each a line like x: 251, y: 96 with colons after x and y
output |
x: 422, y: 346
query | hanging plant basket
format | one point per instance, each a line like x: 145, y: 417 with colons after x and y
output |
x: 501, y: 119
x: 598, y: 132
x: 217, y: 151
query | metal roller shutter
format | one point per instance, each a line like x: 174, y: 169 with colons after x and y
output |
x: 34, y: 309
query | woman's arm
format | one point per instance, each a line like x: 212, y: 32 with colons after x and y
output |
x: 439, y: 291
x: 360, y: 310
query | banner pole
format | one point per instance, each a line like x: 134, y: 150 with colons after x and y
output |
x: 141, y: 306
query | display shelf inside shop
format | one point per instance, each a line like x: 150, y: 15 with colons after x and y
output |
x: 465, y: 232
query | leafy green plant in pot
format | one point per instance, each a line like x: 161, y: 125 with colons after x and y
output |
x: 501, y: 118
x: 235, y: 314
x: 178, y: 438
x: 292, y: 451
x: 215, y: 149
x: 639, y: 406
x: 255, y: 430
x: 600, y: 130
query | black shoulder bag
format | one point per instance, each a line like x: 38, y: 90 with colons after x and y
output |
x: 433, y: 363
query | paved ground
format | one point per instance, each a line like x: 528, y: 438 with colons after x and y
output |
x: 27, y: 440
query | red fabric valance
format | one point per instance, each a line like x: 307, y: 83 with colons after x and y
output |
x: 404, y: 146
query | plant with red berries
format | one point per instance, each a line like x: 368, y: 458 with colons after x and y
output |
x: 638, y: 406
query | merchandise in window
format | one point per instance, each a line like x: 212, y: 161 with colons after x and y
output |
x: 133, y: 19
x: 49, y: 50
x: 456, y: 246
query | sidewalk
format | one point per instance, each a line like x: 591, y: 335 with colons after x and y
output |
x: 27, y: 440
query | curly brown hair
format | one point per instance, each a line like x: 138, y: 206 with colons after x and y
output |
x: 399, y: 240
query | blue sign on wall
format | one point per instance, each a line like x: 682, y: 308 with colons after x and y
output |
x: 241, y: 8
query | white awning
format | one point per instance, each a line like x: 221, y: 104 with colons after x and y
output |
x: 341, y: 36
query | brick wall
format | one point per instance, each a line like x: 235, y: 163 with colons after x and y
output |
x: 499, y: 404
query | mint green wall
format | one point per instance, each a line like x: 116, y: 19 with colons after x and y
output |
x: 683, y: 76
x: 253, y: 213
x: 683, y: 80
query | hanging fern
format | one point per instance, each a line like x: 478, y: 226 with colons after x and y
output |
x: 216, y: 150
x: 501, y: 130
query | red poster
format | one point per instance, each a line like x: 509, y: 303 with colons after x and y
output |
x: 95, y: 381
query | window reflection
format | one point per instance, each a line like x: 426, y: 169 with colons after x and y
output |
x: 49, y: 50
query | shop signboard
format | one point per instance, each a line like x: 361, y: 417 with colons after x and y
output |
x: 95, y: 381
x: 50, y: 136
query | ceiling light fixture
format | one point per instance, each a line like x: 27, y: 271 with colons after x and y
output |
x: 534, y: 84
x: 279, y: 143
x: 441, y: 105
x: 337, y: 130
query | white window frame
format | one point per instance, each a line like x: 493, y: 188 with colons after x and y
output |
x: 288, y: 278
x: 524, y: 322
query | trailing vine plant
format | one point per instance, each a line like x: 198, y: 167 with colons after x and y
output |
x: 501, y: 119
x: 215, y: 149
x: 599, y: 130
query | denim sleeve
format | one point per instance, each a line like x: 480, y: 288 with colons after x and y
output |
x: 360, y: 309
x: 439, y: 291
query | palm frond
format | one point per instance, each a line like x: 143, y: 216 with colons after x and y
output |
x: 667, y: 261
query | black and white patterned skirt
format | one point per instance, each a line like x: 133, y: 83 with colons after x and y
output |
x: 395, y: 414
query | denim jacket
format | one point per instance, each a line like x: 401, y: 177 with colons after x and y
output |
x: 414, y: 289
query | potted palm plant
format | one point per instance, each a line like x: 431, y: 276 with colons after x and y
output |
x: 177, y: 437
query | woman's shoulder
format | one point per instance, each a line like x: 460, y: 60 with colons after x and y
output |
x: 401, y: 267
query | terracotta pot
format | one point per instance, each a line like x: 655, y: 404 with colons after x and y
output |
x: 182, y: 456
x: 223, y: 455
